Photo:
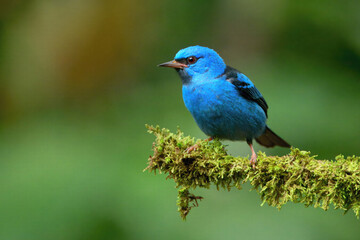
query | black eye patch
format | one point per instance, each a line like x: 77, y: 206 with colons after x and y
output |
x: 182, y: 60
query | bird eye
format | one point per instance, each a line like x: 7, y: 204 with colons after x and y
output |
x: 191, y: 60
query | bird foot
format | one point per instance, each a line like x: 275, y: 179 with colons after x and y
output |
x: 253, y: 161
x: 192, y: 148
x: 253, y: 155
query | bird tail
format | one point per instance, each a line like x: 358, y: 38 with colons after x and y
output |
x: 270, y: 139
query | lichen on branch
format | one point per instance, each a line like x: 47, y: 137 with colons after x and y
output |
x: 296, y: 177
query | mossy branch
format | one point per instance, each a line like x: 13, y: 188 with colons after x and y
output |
x: 296, y: 177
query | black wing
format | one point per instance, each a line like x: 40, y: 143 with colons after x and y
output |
x: 245, y: 87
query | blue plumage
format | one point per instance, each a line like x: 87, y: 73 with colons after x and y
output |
x: 224, y: 102
x: 220, y: 112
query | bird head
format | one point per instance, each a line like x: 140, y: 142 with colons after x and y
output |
x: 196, y: 62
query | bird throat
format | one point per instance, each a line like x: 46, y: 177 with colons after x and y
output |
x: 185, y: 77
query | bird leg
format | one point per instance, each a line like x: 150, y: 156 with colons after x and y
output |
x: 253, y: 156
x: 195, y: 146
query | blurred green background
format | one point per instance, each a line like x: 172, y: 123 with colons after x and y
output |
x: 78, y: 82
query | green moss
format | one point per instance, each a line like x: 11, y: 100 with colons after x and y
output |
x: 297, y: 177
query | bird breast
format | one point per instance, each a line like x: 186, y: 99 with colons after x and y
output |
x: 221, y: 112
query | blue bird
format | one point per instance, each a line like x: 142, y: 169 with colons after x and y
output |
x: 223, y: 101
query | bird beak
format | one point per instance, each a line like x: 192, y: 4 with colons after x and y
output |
x: 173, y: 64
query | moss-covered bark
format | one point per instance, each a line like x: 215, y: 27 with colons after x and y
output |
x: 296, y: 177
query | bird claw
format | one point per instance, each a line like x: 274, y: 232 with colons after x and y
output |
x: 253, y: 161
x: 195, y: 146
x: 253, y: 156
x: 192, y: 148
